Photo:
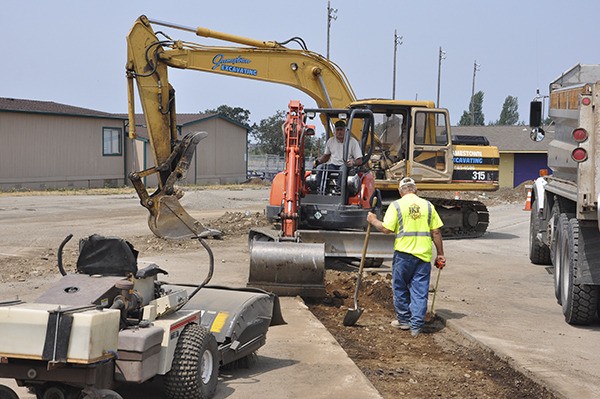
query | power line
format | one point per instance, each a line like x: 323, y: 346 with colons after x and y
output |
x: 476, y: 67
x: 442, y: 56
x: 397, y: 42
x: 330, y: 16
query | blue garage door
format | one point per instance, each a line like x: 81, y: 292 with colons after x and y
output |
x: 527, y: 167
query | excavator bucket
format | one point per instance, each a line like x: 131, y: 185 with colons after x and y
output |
x: 287, y: 268
x: 169, y: 220
x: 167, y: 217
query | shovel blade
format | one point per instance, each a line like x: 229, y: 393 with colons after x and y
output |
x: 430, y: 317
x: 352, y: 316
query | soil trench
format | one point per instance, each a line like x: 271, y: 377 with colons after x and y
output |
x: 438, y: 363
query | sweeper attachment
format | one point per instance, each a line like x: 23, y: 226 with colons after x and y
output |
x: 112, y: 323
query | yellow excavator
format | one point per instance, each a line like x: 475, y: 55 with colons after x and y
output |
x: 412, y: 138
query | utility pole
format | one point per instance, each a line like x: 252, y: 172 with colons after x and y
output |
x: 476, y: 67
x: 397, y: 42
x: 442, y: 56
x: 330, y: 16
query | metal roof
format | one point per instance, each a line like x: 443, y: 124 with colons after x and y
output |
x: 507, y: 138
x: 50, y: 108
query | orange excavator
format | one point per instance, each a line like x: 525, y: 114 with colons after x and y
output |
x: 291, y: 260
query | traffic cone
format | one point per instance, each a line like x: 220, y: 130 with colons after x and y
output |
x: 528, y: 201
x: 456, y: 196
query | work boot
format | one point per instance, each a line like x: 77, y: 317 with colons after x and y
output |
x: 402, y: 326
x: 415, y: 333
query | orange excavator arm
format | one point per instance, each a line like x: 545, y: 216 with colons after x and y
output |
x: 295, y: 132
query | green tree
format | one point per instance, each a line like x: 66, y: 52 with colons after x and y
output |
x: 269, y: 138
x: 237, y: 114
x: 269, y: 135
x: 477, y: 103
x: 465, y: 119
x: 510, y: 113
x: 314, y: 145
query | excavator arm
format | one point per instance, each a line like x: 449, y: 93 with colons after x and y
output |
x: 267, y: 61
x: 148, y: 60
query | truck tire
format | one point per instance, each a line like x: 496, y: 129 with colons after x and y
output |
x: 7, y: 393
x: 553, y: 233
x: 195, y: 367
x: 539, y: 253
x: 579, y: 301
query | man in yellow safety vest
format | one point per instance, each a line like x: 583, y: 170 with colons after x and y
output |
x: 416, y: 224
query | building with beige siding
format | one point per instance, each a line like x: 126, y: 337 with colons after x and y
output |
x: 44, y: 144
x: 220, y: 158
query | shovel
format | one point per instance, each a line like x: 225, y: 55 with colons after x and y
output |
x: 430, y: 316
x: 352, y: 315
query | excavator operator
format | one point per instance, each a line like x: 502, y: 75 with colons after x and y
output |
x: 333, y: 157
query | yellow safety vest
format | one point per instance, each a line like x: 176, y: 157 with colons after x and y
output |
x: 412, y: 218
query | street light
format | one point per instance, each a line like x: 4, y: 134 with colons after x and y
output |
x: 330, y: 16
x: 397, y: 42
x: 442, y: 56
x: 476, y: 67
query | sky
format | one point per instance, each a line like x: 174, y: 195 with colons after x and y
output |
x: 74, y: 52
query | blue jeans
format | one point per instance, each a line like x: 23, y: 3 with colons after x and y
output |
x: 410, y: 286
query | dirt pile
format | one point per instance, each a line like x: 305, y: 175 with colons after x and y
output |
x: 504, y: 195
x: 235, y: 223
x: 438, y: 363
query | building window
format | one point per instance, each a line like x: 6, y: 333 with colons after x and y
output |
x: 111, y: 141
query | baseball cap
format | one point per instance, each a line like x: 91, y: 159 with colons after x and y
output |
x: 340, y: 123
x: 406, y: 181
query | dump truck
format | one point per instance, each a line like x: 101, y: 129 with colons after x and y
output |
x: 564, y: 221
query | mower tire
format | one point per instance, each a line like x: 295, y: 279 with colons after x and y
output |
x: 195, y: 367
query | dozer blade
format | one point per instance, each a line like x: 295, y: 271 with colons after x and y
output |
x: 169, y: 220
x: 288, y: 268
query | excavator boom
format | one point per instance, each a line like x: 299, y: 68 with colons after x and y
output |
x: 148, y: 60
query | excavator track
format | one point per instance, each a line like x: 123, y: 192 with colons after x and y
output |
x: 462, y: 218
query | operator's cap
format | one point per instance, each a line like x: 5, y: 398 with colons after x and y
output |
x: 340, y: 123
x: 406, y: 181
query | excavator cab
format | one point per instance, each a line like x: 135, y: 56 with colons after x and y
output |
x: 414, y: 140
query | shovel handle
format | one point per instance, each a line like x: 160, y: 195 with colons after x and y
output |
x: 374, y: 200
x: 437, y: 280
x: 361, y: 266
